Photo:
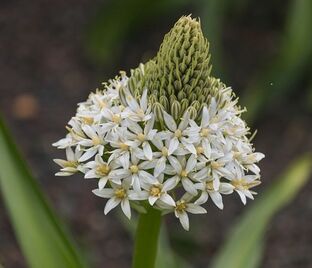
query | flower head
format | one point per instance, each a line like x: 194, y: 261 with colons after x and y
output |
x: 169, y: 136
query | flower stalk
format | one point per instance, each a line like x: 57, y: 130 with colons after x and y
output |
x: 146, y: 239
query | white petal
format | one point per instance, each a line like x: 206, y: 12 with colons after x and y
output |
x: 170, y: 122
x: 152, y: 200
x: 202, y: 199
x: 190, y: 147
x: 195, y: 209
x: 147, y: 150
x: 173, y: 145
x: 242, y: 196
x: 106, y: 193
x: 110, y: 204
x: 102, y: 182
x: 217, y: 199
x: 166, y: 198
x: 205, y: 117
x: 125, y: 206
x: 88, y: 154
x: 189, y: 186
x: 160, y: 166
x: 169, y: 184
x: 191, y: 163
x: 184, y: 220
x: 175, y: 164
x: 143, y: 100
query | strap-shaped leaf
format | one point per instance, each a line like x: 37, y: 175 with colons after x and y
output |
x: 38, y: 231
x: 244, y: 245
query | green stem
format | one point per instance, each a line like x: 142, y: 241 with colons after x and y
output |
x: 146, y: 240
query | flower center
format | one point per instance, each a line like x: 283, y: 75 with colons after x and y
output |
x: 155, y: 191
x: 242, y: 184
x: 181, y: 206
x: 96, y: 140
x: 164, y: 151
x: 102, y: 170
x: 134, y: 169
x: 141, y: 137
x: 178, y: 133
x: 123, y: 146
x: 116, y: 118
x: 199, y: 150
x: 183, y: 173
x: 209, y: 185
x: 140, y: 112
x: 215, y: 165
x: 204, y: 132
x: 73, y: 164
x: 120, y: 193
x: 87, y: 120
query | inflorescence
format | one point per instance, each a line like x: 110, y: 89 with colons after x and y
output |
x: 168, y: 142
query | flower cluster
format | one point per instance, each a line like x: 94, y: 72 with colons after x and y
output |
x: 172, y: 165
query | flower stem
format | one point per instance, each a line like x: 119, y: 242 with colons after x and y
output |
x: 146, y: 239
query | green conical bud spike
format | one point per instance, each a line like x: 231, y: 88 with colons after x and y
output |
x: 158, y: 111
x: 192, y: 111
x: 176, y: 110
x: 184, y: 105
x: 182, y: 63
x: 164, y: 102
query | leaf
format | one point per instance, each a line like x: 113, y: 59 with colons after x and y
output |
x: 39, y: 232
x: 244, y: 245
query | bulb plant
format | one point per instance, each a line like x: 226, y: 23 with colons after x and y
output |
x: 168, y: 138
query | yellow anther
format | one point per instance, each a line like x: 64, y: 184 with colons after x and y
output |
x: 141, y: 137
x: 199, y: 150
x: 204, y: 132
x: 215, y: 165
x: 183, y: 173
x: 155, y: 191
x: 102, y: 169
x: 96, y: 140
x: 134, y: 169
x: 178, y: 133
x: 116, y: 118
x: 87, y: 120
x: 181, y: 206
x: 120, y: 193
x: 209, y: 185
x: 164, y: 151
x: 123, y: 146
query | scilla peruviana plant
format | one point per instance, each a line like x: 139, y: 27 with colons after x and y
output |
x: 166, y: 139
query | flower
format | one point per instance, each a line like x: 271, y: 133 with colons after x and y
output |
x: 71, y: 165
x: 183, y: 206
x: 168, y: 136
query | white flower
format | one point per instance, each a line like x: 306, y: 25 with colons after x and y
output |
x: 101, y: 170
x: 177, y: 134
x: 213, y: 188
x: 157, y: 191
x: 143, y: 137
x: 242, y: 183
x: 184, y: 172
x: 138, y: 111
x: 71, y: 165
x: 118, y: 194
x: 134, y: 173
x: 182, y: 207
x: 94, y: 142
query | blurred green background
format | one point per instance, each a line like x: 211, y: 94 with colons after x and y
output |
x: 53, y: 53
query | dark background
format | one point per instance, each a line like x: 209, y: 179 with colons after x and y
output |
x: 53, y: 53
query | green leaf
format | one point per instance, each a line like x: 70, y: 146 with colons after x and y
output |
x: 244, y: 245
x: 39, y: 232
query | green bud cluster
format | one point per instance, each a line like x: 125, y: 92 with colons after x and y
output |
x: 178, y: 78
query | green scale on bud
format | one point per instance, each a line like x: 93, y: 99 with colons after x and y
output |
x: 178, y: 78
